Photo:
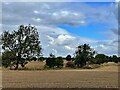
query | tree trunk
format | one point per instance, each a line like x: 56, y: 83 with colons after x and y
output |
x: 22, y: 64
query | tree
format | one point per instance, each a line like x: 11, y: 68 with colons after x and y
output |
x: 59, y: 62
x: 115, y: 59
x: 0, y: 60
x: 51, y: 61
x: 83, y: 54
x: 70, y: 62
x: 100, y: 58
x: 8, y: 58
x: 68, y: 58
x: 24, y: 43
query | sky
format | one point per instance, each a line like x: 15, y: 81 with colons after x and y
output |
x: 62, y: 26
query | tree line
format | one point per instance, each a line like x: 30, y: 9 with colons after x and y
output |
x: 23, y: 45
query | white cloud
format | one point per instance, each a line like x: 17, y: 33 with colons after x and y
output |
x: 69, y: 48
x: 51, y: 14
x: 61, y: 43
x: 35, y: 11
x: 47, y: 16
x: 64, y: 39
x: 117, y: 0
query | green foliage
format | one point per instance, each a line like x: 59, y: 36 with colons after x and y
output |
x: 8, y: 58
x: 24, y: 42
x: 0, y: 60
x: 41, y: 59
x: 93, y: 61
x: 115, y: 59
x: 100, y: 58
x: 51, y: 61
x: 68, y: 58
x: 59, y: 62
x: 33, y: 58
x: 83, y: 54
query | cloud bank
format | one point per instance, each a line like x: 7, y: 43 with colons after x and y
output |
x: 48, y: 16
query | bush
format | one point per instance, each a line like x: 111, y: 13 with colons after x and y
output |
x: 46, y: 67
x: 51, y: 62
x: 59, y: 62
x: 101, y: 58
x: 68, y: 58
x: 41, y: 59
x: 33, y: 58
x: 70, y: 64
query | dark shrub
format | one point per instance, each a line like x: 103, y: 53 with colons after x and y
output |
x: 33, y: 58
x: 51, y: 62
x: 59, y: 62
x: 41, y: 59
x: 68, y: 58
x: 101, y: 58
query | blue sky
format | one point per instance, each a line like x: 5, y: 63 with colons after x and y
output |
x: 90, y: 31
x: 64, y: 26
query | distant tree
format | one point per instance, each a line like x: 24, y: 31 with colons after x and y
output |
x: 107, y: 59
x: 51, y: 61
x: 100, y: 58
x: 83, y: 54
x: 0, y: 60
x: 24, y: 43
x: 115, y: 59
x: 59, y: 62
x: 41, y: 58
x: 68, y: 58
x: 110, y: 59
x: 33, y: 59
x: 118, y: 59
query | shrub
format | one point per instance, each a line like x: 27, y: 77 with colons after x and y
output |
x: 59, y: 62
x: 68, y: 58
x: 115, y: 59
x: 46, y: 66
x: 41, y: 59
x: 33, y: 58
x: 51, y: 62
x: 100, y: 58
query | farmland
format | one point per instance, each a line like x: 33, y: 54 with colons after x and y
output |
x: 104, y: 77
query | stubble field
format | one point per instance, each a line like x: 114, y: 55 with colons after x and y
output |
x: 103, y: 77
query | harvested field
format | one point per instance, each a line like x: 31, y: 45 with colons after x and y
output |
x: 104, y: 77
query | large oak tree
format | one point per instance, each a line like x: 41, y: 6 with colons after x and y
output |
x: 24, y: 43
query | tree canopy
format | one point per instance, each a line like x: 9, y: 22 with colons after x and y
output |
x: 83, y: 54
x: 24, y: 42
